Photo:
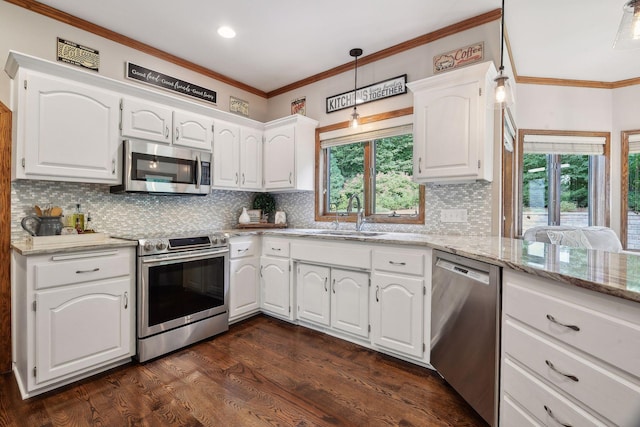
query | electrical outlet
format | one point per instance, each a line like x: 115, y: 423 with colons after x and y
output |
x: 453, y: 215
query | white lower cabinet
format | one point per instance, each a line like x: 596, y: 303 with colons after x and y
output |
x: 74, y: 316
x: 244, y: 283
x: 569, y: 356
x: 334, y: 297
x: 397, y: 313
x: 275, y: 277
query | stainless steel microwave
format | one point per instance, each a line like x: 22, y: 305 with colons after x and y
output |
x: 150, y: 167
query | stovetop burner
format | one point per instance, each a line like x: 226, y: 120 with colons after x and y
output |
x: 163, y: 242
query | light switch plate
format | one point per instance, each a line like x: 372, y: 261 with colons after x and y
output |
x: 453, y: 215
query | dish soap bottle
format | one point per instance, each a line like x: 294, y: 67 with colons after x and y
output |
x: 78, y: 219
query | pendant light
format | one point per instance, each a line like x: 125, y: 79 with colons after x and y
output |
x: 503, y: 92
x: 355, y: 116
x: 628, y: 36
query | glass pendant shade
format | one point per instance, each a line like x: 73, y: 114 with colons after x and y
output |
x: 628, y: 36
x: 354, y: 118
x: 503, y: 91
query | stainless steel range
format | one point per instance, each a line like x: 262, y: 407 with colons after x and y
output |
x: 182, y: 291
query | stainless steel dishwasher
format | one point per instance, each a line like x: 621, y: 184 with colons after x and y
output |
x: 465, y: 325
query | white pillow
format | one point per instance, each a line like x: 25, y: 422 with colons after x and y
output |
x: 573, y: 238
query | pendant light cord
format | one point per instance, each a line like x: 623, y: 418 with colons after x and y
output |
x: 501, y: 37
x: 355, y: 83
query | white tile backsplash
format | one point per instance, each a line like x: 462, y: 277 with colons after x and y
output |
x: 139, y: 213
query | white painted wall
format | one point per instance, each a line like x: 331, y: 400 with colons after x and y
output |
x: 34, y: 34
x: 417, y: 63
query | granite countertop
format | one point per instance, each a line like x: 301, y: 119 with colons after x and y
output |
x: 616, y: 274
x: 27, y: 247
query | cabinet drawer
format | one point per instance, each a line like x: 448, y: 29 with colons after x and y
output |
x: 605, y: 392
x: 511, y: 414
x: 612, y: 339
x: 544, y: 403
x: 85, y: 267
x: 275, y: 247
x: 399, y: 261
x: 243, y: 249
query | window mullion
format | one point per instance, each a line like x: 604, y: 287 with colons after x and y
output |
x: 368, y: 192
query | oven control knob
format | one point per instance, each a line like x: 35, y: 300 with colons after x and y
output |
x: 148, y: 246
x: 214, y: 240
x: 223, y: 240
x: 161, y: 245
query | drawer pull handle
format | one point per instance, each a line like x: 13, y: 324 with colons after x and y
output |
x: 325, y: 284
x: 88, y: 271
x: 377, y: 293
x: 334, y: 286
x: 553, y: 368
x: 397, y: 263
x: 243, y: 250
x: 276, y: 249
x: 126, y: 300
x: 553, y: 417
x: 553, y: 319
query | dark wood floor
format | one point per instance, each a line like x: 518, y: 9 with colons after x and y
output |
x: 263, y: 372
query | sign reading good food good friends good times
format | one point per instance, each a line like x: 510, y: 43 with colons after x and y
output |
x: 154, y: 78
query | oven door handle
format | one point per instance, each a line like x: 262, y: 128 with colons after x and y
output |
x: 190, y: 257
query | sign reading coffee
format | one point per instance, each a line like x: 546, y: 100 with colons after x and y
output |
x: 154, y: 78
x: 374, y: 92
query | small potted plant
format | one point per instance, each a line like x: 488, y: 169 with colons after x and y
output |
x: 266, y: 203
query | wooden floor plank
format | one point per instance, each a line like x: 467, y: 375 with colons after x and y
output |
x: 263, y: 372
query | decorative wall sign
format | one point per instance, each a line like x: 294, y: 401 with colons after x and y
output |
x: 374, y: 92
x: 238, y: 106
x: 458, y: 58
x: 154, y: 78
x: 299, y: 106
x: 77, y: 54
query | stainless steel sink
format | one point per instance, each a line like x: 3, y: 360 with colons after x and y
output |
x: 348, y: 233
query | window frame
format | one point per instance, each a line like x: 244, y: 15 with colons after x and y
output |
x: 607, y: 162
x: 624, y: 187
x: 321, y: 178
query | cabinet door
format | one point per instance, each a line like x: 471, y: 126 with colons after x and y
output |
x: 146, y: 120
x: 274, y: 278
x: 397, y: 305
x: 244, y: 290
x: 350, y: 301
x: 81, y: 326
x: 446, y: 132
x: 192, y: 130
x: 250, y: 158
x: 70, y: 131
x: 226, y: 155
x: 313, y: 293
x: 279, y: 158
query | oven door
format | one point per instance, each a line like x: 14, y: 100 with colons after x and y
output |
x: 181, y: 288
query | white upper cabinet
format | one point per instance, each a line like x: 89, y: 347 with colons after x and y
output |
x: 146, y: 120
x: 237, y: 156
x: 250, y: 158
x: 453, y: 125
x: 289, y: 154
x: 226, y: 155
x: 66, y: 131
x: 192, y: 130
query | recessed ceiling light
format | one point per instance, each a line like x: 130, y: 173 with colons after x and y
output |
x: 226, y: 32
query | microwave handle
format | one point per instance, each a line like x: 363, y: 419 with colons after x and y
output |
x: 198, y: 172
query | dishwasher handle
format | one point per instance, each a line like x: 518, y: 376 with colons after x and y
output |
x: 470, y: 273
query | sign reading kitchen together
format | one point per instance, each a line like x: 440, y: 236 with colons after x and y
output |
x: 154, y: 78
x: 374, y: 92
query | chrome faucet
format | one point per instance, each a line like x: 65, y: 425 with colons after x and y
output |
x: 360, y: 219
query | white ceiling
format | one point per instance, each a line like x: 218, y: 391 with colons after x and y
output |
x: 283, y: 41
